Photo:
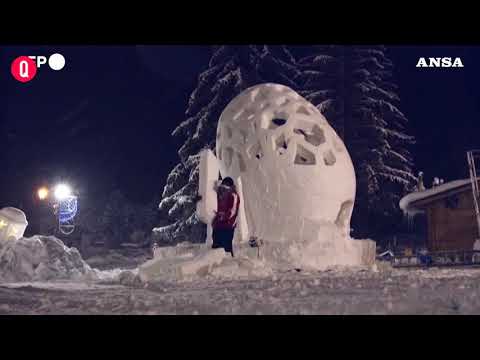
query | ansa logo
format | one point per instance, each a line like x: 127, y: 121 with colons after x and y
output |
x: 439, y: 62
x: 24, y: 68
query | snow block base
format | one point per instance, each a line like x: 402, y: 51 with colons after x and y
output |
x: 181, y: 262
x: 329, y: 247
x: 189, y: 261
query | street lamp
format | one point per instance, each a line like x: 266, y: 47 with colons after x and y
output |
x: 62, y: 191
x: 42, y: 193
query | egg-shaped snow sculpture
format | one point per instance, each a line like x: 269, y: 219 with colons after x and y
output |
x: 295, y: 170
x: 13, y: 223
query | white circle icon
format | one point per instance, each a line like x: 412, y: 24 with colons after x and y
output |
x: 56, y: 62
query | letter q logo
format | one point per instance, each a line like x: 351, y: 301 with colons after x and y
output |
x: 24, y: 68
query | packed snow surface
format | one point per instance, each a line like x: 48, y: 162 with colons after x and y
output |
x: 336, y: 291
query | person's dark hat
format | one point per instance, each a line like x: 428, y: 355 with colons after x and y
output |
x: 228, y: 181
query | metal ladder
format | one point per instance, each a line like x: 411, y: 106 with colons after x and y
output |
x: 473, y: 155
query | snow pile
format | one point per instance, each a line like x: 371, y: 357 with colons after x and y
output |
x: 41, y: 258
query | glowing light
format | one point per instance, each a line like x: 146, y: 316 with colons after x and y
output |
x: 2, y: 224
x: 42, y: 193
x: 62, y: 191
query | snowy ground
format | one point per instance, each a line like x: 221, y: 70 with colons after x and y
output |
x: 125, y: 259
x: 40, y: 275
x: 387, y: 291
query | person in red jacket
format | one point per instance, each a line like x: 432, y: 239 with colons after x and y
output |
x: 225, y: 218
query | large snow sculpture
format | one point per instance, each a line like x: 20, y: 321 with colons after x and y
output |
x: 296, y: 182
x: 13, y: 223
x: 297, y: 177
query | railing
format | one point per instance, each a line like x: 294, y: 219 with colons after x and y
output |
x: 438, y: 259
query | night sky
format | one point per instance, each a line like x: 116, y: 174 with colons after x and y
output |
x: 135, y: 96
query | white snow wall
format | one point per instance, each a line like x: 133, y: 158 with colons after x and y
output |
x: 208, y: 176
x: 209, y: 172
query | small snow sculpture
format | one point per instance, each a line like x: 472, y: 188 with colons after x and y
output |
x: 13, y: 223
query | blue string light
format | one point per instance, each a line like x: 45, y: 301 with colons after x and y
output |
x: 67, y: 209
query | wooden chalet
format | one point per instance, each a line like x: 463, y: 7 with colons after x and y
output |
x: 450, y: 215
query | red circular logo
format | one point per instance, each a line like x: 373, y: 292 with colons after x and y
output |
x: 23, y: 69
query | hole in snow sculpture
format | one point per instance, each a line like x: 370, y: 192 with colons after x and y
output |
x: 304, y: 156
x: 272, y: 120
x: 312, y: 133
x: 300, y: 206
x: 281, y: 144
x: 317, y: 136
x: 279, y: 122
x: 344, y: 213
x: 329, y: 158
x: 255, y: 151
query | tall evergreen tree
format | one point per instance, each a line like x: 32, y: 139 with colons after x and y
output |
x: 353, y: 87
x: 231, y: 70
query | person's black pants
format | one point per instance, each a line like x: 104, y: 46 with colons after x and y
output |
x: 223, y: 238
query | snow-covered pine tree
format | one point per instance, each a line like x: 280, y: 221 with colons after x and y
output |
x: 231, y: 70
x: 353, y: 87
x: 321, y: 82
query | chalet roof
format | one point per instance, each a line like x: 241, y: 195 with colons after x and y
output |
x: 410, y: 203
